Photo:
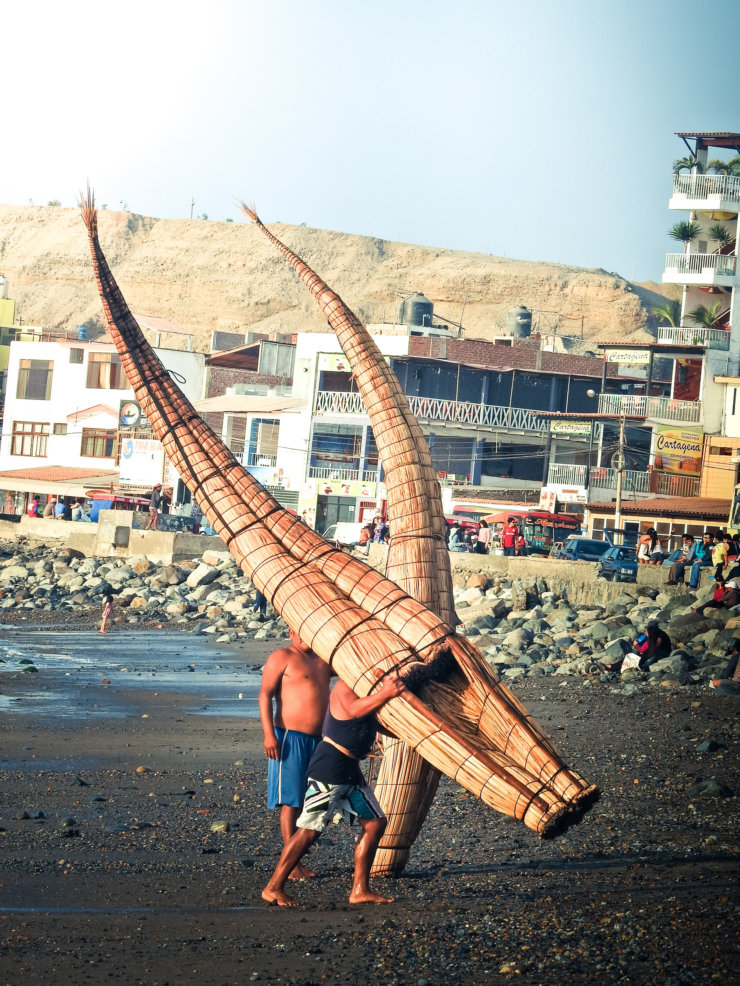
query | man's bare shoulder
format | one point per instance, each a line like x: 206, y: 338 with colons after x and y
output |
x: 279, y: 658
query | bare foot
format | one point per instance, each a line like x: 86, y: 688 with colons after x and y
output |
x: 368, y: 897
x: 301, y: 872
x: 104, y: 632
x: 279, y: 898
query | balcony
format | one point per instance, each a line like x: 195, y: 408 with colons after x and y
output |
x: 707, y: 192
x: 562, y: 474
x: 683, y: 335
x: 700, y: 268
x: 435, y: 409
x: 662, y: 408
x: 258, y: 459
x: 644, y: 483
x: 343, y: 475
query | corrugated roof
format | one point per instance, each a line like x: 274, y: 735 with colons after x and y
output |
x: 156, y: 323
x: 702, y: 508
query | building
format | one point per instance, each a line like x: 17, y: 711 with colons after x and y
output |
x: 69, y: 407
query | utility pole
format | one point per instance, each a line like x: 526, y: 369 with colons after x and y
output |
x: 192, y: 206
x: 618, y: 466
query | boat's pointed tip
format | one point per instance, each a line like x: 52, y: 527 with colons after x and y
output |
x: 88, y: 209
x: 250, y: 212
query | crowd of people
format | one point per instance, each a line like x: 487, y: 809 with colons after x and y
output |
x: 63, y: 508
x: 480, y: 540
x: 720, y: 550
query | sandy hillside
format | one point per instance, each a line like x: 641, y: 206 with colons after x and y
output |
x: 214, y: 275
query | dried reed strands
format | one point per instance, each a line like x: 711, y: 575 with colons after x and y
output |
x: 361, y: 648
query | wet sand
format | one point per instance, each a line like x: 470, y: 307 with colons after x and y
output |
x: 123, y: 881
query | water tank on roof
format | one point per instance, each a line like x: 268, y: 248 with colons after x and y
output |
x: 416, y: 310
x: 3, y: 287
x: 81, y: 333
x: 519, y: 322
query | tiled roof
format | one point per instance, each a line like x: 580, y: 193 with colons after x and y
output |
x: 703, y: 508
x: 56, y: 474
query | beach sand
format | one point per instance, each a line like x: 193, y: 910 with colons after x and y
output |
x: 122, y: 880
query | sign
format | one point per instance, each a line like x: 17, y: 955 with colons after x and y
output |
x: 633, y: 357
x: 548, y: 499
x: 129, y: 415
x: 678, y: 450
x: 559, y: 426
x: 334, y: 363
x: 572, y: 494
x: 337, y: 487
x: 142, y: 461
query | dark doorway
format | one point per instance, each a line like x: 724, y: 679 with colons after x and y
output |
x: 334, y: 510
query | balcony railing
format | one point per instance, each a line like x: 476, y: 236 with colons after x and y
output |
x: 436, y: 409
x: 683, y: 335
x: 343, y: 475
x: 634, y: 481
x: 665, y: 408
x: 564, y: 474
x: 702, y: 264
x: 706, y: 186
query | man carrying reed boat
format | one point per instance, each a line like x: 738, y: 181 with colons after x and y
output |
x: 298, y: 682
x: 338, y: 791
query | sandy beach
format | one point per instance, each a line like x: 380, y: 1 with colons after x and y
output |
x: 118, y: 756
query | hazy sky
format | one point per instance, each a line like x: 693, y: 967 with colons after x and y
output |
x: 541, y: 130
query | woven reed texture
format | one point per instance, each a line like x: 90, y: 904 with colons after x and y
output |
x: 290, y: 564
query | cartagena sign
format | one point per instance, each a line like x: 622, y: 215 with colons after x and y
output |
x: 678, y: 450
x: 630, y: 357
x: 562, y: 427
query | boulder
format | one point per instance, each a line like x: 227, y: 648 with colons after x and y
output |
x: 214, y: 559
x: 70, y: 553
x: 203, y: 575
x: 140, y: 564
x: 477, y: 581
x: 13, y: 572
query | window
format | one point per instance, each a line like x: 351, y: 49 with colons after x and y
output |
x: 76, y: 355
x: 60, y: 429
x: 29, y: 438
x: 34, y: 379
x: 104, y: 372
x: 98, y: 444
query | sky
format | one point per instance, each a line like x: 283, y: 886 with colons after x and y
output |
x: 541, y: 130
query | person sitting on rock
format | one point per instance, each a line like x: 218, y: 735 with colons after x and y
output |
x: 687, y: 557
x: 725, y: 595
x: 702, y: 558
x: 653, y: 645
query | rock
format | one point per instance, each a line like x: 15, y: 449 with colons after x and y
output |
x: 69, y: 554
x: 477, y: 581
x: 709, y: 788
x: 674, y: 663
x: 11, y: 572
x: 139, y: 602
x: 710, y: 746
x: 220, y: 826
x: 177, y: 609
x: 518, y: 638
x: 614, y: 651
x: 214, y: 559
x: 173, y: 575
x: 203, y: 575
x: 470, y: 596
x: 140, y: 564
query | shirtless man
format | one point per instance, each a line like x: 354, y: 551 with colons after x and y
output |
x: 337, y: 791
x: 298, y: 681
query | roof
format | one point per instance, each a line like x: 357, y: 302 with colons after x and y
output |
x: 240, y: 358
x: 66, y: 480
x: 714, y: 138
x: 156, y: 323
x: 699, y: 507
x: 248, y: 404
x: 88, y: 412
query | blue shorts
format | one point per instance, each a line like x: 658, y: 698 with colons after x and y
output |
x: 286, y: 776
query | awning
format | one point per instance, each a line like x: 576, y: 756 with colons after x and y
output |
x: 56, y: 479
x: 248, y: 404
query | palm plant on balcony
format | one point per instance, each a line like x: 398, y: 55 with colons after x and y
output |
x: 687, y: 164
x: 686, y: 231
x: 719, y: 167
x: 722, y: 235
x: 706, y: 315
x: 669, y: 311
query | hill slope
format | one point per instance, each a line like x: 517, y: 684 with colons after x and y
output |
x: 207, y: 275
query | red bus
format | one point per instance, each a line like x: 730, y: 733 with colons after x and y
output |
x: 541, y: 529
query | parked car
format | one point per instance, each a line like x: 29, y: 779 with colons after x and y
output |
x: 343, y: 535
x: 619, y: 564
x: 577, y: 548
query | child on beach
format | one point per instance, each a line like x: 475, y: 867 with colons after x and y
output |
x: 107, y: 610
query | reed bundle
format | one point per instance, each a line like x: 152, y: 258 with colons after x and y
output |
x: 357, y: 621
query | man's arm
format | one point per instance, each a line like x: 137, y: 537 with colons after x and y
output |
x: 354, y: 707
x: 272, y: 674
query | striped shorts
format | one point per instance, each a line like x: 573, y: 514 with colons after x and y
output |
x: 331, y: 804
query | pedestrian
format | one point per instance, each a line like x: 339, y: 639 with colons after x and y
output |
x: 456, y: 542
x: 155, y: 502
x: 484, y: 538
x: 687, y: 557
x: 509, y: 536
x: 107, y: 611
x: 33, y: 507
x: 702, y: 558
x: 50, y: 508
x: 297, y: 681
x: 336, y: 791
x: 260, y: 604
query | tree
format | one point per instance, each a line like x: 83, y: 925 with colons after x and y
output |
x: 687, y: 164
x: 720, y: 167
x: 706, y: 316
x: 685, y: 231
x: 669, y: 311
x: 54, y: 202
x: 721, y: 234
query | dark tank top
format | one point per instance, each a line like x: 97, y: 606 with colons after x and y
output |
x: 330, y: 765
